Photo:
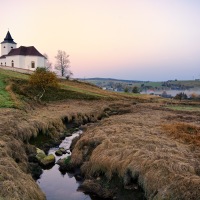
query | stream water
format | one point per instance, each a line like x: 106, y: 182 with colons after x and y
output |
x: 57, y: 186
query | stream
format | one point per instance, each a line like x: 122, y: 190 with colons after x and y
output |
x: 57, y: 186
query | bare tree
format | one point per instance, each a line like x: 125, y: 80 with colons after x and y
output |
x: 62, y: 64
x: 48, y: 63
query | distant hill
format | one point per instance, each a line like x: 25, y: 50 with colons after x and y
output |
x: 121, y: 84
x: 109, y: 79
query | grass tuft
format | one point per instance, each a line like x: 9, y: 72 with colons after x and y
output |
x: 184, y: 132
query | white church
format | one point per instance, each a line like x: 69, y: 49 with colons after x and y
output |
x: 28, y: 58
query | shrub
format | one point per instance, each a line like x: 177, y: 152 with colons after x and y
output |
x: 126, y: 90
x: 43, y: 79
x: 135, y: 89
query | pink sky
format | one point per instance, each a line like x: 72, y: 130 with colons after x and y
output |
x: 127, y: 39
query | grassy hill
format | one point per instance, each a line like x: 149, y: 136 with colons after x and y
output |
x: 15, y: 90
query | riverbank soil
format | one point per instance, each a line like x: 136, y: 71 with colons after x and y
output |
x: 146, y: 145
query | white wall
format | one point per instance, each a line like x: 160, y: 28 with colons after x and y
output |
x: 39, y: 62
x: 24, y: 62
x: 6, y: 50
x: 2, y: 61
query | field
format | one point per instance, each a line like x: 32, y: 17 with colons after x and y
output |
x: 144, y: 141
x: 144, y: 85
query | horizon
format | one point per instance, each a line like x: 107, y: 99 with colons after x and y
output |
x: 146, y: 40
x: 119, y: 79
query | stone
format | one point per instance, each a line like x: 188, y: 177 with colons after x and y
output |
x: 68, y: 152
x: 65, y: 165
x: 59, y: 152
x: 39, y: 151
x: 40, y: 154
x: 48, y: 160
x: 63, y: 150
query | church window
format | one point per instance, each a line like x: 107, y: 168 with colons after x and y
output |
x: 12, y: 63
x: 5, y: 63
x: 11, y: 47
x: 4, y: 47
x: 1, y: 63
x: 32, y: 64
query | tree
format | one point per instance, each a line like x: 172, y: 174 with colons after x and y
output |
x: 126, y: 89
x: 48, y: 63
x: 164, y: 94
x: 135, y: 89
x: 41, y: 79
x: 181, y: 96
x: 62, y: 63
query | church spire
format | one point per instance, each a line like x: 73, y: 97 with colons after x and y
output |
x: 8, y: 44
x: 8, y: 39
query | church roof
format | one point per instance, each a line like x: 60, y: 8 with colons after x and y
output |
x: 1, y: 57
x: 25, y: 51
x: 8, y: 39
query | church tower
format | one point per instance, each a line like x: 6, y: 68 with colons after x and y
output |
x: 7, y: 44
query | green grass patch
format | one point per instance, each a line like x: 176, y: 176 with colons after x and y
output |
x: 21, y: 87
x: 80, y: 90
x: 12, y: 74
x: 67, y: 160
x: 184, y: 108
x: 5, y: 99
x: 153, y: 84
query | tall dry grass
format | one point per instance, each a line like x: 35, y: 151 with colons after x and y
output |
x: 135, y: 147
x: 186, y: 132
x: 16, y: 129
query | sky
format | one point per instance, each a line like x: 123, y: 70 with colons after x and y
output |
x: 151, y: 40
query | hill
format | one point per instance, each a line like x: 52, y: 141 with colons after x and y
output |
x: 175, y: 86
x: 110, y: 79
x: 15, y: 91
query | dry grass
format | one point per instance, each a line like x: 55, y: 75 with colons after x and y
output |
x: 16, y: 129
x: 136, y: 145
x: 184, y: 132
x: 156, y: 146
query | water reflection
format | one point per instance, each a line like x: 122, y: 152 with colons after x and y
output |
x: 57, y: 186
